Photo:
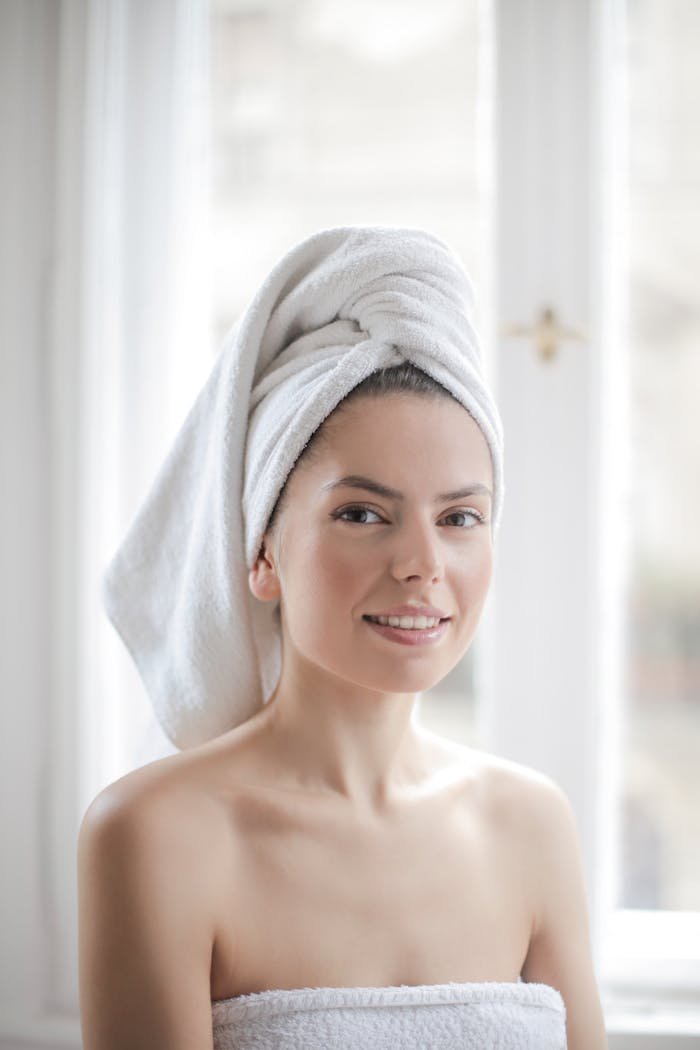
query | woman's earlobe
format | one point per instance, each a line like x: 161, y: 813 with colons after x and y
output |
x: 262, y: 578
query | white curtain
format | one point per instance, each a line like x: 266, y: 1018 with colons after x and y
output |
x: 105, y: 341
x: 146, y: 319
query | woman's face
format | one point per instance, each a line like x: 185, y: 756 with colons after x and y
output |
x: 340, y: 551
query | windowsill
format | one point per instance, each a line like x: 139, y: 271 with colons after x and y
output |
x: 621, y: 1019
x: 650, y: 979
x: 51, y: 1030
x: 660, y: 1020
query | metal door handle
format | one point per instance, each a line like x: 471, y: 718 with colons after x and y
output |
x: 547, y: 333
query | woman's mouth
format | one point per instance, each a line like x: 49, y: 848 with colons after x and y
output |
x: 407, y: 622
x: 408, y: 630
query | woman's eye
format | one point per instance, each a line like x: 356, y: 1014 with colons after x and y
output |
x: 356, y: 510
x: 356, y: 516
x: 467, y: 514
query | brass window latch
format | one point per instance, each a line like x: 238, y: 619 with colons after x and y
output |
x: 547, y: 333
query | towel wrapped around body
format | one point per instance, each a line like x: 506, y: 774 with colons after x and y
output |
x: 477, y: 1016
x: 342, y: 304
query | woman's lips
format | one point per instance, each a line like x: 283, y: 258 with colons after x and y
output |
x: 410, y: 635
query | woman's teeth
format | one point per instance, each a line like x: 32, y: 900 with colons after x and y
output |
x: 417, y: 623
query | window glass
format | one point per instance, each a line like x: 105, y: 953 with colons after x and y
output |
x: 660, y: 854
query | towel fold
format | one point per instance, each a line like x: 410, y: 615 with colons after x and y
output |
x: 337, y: 307
x: 474, y: 1016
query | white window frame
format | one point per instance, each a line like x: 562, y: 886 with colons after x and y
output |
x: 556, y: 642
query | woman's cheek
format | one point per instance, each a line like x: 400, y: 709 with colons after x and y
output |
x: 482, y: 574
x: 483, y: 564
x: 474, y: 571
x: 340, y: 571
x: 326, y: 575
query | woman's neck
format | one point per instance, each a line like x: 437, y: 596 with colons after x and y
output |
x: 350, y: 742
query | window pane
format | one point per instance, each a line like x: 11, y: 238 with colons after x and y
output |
x: 328, y: 113
x: 661, y: 816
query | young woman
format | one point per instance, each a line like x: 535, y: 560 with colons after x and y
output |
x: 328, y: 873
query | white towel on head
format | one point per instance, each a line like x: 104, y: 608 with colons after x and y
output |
x: 478, y: 1016
x: 338, y: 306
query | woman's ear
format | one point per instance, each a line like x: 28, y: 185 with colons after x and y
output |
x: 262, y: 578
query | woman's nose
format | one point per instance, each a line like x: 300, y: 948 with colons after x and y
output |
x: 418, y: 552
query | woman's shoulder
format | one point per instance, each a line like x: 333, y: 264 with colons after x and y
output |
x: 496, y: 779
x: 516, y: 801
x: 157, y: 834
x: 524, y: 810
x: 168, y: 808
x: 149, y: 898
x: 516, y: 784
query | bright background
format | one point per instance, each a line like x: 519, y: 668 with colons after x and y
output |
x: 158, y: 158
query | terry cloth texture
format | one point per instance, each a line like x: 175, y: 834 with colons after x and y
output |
x: 478, y: 1016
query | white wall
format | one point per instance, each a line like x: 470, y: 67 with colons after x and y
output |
x: 29, y: 40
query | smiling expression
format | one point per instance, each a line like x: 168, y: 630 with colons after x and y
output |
x: 393, y: 508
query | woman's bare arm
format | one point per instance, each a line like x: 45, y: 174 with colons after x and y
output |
x: 560, y: 950
x: 145, y: 937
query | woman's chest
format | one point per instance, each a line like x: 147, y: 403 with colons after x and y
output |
x: 315, y: 902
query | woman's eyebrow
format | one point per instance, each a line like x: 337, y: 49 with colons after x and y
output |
x: 358, y: 481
